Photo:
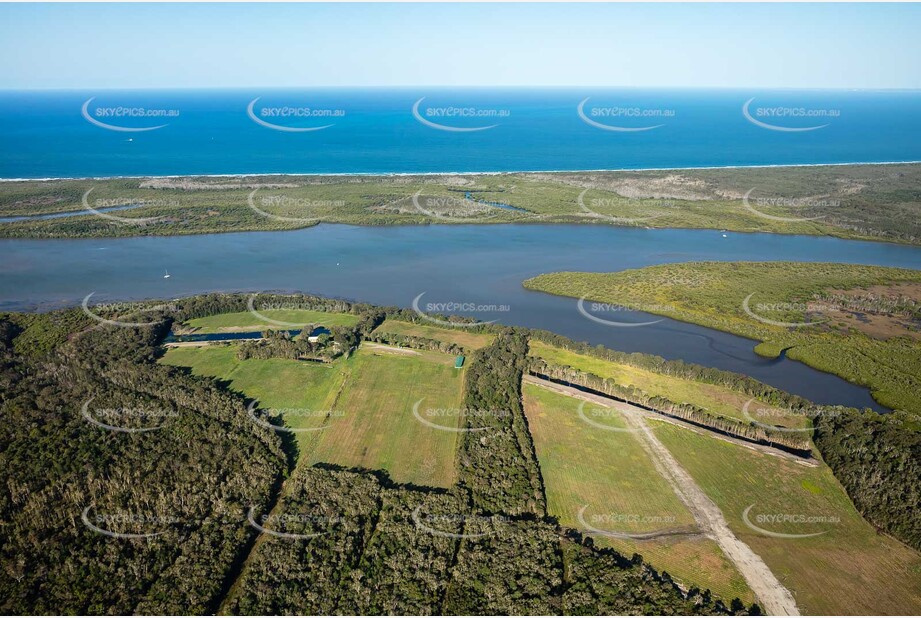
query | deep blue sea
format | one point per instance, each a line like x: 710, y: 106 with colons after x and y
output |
x: 322, y: 131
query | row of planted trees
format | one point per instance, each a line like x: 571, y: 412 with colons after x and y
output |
x: 662, y: 405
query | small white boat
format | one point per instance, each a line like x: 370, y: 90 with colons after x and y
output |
x: 166, y: 276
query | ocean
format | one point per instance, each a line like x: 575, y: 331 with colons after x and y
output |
x: 52, y: 134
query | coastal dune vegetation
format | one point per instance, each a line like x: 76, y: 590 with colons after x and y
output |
x: 871, y: 202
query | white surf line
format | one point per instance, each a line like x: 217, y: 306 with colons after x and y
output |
x: 462, y: 172
x: 775, y: 598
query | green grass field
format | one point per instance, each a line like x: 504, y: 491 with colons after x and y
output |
x: 715, y: 399
x: 365, y: 404
x: 712, y: 294
x: 244, y: 320
x: 299, y: 392
x: 609, y: 473
x: 378, y: 428
x: 849, y: 569
x: 274, y: 383
x: 465, y: 339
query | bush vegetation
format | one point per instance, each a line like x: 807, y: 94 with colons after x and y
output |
x: 857, y: 201
x: 189, y: 482
x: 209, y: 468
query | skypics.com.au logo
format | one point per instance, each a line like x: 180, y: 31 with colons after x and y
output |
x: 437, y: 418
x: 125, y: 309
x: 612, y: 118
x: 601, y: 524
x: 114, y: 418
x: 102, y: 523
x: 769, y: 117
x: 788, y: 203
x: 290, y: 204
x: 613, y: 309
x: 758, y: 520
x: 453, y: 209
x: 296, y: 416
x: 290, y: 118
x: 453, y: 307
x: 287, y: 306
x: 603, y: 417
x: 436, y: 117
x: 787, y: 307
x: 268, y: 524
x: 114, y: 118
x: 466, y: 210
x: 606, y: 202
x: 103, y: 204
x: 761, y: 415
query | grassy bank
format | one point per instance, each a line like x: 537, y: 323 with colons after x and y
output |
x: 271, y: 319
x: 465, y: 339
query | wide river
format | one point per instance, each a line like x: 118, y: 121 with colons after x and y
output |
x: 480, y: 265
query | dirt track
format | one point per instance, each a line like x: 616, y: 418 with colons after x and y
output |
x: 775, y: 599
x: 389, y: 349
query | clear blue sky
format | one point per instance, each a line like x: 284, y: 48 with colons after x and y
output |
x: 264, y: 45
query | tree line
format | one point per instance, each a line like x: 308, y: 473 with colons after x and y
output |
x: 752, y: 432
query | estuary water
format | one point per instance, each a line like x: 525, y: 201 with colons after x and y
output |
x: 474, y: 270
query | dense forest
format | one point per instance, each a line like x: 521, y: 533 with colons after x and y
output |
x: 498, y: 465
x: 184, y: 486
x: 877, y: 458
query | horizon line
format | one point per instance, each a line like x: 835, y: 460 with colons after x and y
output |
x: 467, y: 86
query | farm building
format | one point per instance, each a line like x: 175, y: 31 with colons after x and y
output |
x: 314, y: 335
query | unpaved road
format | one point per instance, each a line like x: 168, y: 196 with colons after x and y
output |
x: 389, y: 348
x: 775, y: 599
